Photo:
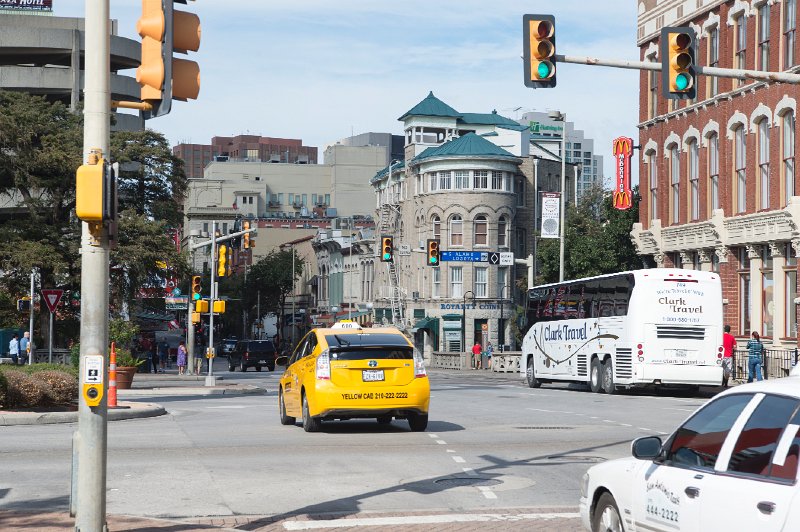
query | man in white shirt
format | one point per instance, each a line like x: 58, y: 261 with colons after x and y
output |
x: 13, y: 348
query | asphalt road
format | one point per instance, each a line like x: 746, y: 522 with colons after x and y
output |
x: 492, y: 445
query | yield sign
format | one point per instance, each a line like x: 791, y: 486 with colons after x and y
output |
x: 51, y: 297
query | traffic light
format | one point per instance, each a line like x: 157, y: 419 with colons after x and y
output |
x: 229, y: 271
x: 539, y: 53
x: 24, y: 304
x: 196, y: 287
x: 195, y: 317
x: 246, y: 236
x: 678, y: 52
x: 201, y: 306
x: 219, y: 306
x: 95, y: 191
x: 433, y: 252
x: 387, y: 248
x: 222, y: 260
x: 161, y: 76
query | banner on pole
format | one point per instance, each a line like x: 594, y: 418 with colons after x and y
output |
x: 622, y: 197
x: 551, y: 215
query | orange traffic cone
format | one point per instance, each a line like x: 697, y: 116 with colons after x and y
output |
x: 112, y: 378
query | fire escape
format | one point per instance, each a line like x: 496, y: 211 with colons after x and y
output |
x: 388, y: 226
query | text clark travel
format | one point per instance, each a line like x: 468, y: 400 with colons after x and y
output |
x: 565, y: 332
x: 678, y: 305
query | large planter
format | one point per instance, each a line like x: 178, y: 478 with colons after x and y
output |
x: 125, y: 377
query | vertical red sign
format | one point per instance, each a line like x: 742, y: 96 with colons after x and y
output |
x: 622, y: 197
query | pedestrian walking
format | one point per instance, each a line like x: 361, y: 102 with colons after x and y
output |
x: 153, y: 355
x: 13, y: 348
x: 181, y: 359
x: 25, y: 348
x: 476, y: 355
x: 198, y: 359
x: 755, y: 352
x: 728, y: 346
x: 489, y: 351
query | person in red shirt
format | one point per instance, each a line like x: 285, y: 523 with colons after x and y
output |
x: 728, y: 345
x: 476, y: 355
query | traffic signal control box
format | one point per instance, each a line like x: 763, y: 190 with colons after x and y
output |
x: 539, y: 50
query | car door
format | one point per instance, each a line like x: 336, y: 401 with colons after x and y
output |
x: 291, y: 380
x: 757, y: 471
x: 668, y: 494
x: 306, y: 365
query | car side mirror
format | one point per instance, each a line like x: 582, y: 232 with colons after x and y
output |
x: 282, y: 360
x: 647, y: 448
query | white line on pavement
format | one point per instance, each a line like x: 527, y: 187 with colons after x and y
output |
x: 469, y: 471
x: 433, y: 435
x: 459, y: 460
x: 450, y: 451
x: 425, y: 519
x: 441, y: 442
x: 487, y: 492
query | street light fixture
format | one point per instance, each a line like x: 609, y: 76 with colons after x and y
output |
x: 464, y: 319
x: 558, y: 116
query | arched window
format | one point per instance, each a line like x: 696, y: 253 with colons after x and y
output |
x: 502, y: 232
x: 787, y: 155
x: 481, y: 230
x: 694, y: 178
x: 456, y: 231
x: 763, y: 162
x: 437, y: 226
x: 675, y: 182
x: 713, y: 171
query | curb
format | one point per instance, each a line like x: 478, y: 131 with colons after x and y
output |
x: 136, y: 411
x: 191, y: 390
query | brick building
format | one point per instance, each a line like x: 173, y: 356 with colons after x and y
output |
x: 717, y: 174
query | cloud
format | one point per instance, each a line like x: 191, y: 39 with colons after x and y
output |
x: 319, y: 70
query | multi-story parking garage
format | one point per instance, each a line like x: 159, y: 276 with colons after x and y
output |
x: 44, y: 55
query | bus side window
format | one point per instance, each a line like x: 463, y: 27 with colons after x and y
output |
x: 590, y: 300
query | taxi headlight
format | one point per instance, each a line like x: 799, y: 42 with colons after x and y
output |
x: 585, y: 485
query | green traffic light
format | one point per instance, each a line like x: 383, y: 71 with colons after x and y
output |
x: 386, y: 256
x: 681, y: 82
x: 196, y: 296
x: 433, y: 260
x: 543, y: 70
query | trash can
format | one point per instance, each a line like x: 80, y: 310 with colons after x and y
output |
x: 484, y: 360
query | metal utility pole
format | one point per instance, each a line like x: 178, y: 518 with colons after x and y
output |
x: 293, y: 326
x: 190, y: 309
x: 562, y: 117
x: 30, y: 323
x: 92, y: 421
x: 212, y: 297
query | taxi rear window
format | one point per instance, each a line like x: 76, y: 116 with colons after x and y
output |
x: 368, y: 346
x: 372, y: 353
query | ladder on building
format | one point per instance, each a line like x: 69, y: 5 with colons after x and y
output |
x: 396, y: 295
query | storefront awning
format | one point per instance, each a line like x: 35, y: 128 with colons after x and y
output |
x: 431, y: 325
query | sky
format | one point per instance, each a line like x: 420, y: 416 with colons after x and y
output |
x: 321, y: 70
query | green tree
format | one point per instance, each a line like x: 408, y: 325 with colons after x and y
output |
x: 272, y: 277
x: 151, y: 179
x: 597, y: 240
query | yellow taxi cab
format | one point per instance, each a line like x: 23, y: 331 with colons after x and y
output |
x: 345, y: 372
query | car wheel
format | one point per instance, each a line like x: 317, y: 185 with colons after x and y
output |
x: 310, y: 424
x: 231, y: 367
x: 271, y: 367
x: 384, y: 420
x: 285, y: 420
x: 530, y: 375
x: 595, y: 376
x: 258, y: 367
x: 418, y: 422
x: 606, y: 515
x: 608, y: 378
x: 242, y: 366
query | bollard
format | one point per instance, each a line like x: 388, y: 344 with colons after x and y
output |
x: 112, y: 378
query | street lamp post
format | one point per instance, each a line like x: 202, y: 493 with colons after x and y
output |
x: 464, y: 319
x: 501, y: 333
x: 558, y: 116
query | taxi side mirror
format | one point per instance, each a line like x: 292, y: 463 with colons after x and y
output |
x: 282, y: 360
x: 647, y: 448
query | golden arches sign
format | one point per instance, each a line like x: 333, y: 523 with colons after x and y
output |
x: 622, y: 197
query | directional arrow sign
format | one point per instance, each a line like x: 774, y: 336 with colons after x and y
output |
x: 51, y: 297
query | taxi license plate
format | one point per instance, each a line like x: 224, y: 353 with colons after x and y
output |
x: 372, y: 375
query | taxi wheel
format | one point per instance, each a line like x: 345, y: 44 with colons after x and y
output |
x: 418, y: 422
x: 285, y: 420
x: 384, y: 420
x: 606, y: 515
x: 310, y: 424
x: 596, y: 376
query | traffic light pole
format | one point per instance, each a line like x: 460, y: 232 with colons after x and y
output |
x: 189, y: 324
x: 213, y: 296
x: 781, y: 77
x: 92, y: 421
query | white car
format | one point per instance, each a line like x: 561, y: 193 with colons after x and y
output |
x: 731, y: 466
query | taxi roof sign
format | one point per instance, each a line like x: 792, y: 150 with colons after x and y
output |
x: 345, y: 324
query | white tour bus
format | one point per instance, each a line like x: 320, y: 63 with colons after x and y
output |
x: 660, y: 326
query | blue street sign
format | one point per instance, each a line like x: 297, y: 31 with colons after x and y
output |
x: 464, y: 256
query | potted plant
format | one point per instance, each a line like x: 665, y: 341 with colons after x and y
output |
x: 127, y: 366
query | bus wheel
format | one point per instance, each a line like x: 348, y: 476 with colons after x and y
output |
x: 533, y: 382
x: 608, y: 378
x: 595, y: 376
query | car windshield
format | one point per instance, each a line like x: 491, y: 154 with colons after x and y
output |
x: 373, y: 353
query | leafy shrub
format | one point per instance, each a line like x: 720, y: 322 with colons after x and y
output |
x: 60, y: 387
x: 3, y: 389
x: 36, y: 368
x: 23, y: 390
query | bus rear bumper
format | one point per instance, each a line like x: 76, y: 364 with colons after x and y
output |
x: 686, y: 375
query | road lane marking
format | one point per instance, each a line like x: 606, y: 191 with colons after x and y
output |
x: 450, y: 451
x: 487, y: 492
x: 469, y: 471
x: 433, y: 436
x: 458, y: 459
x: 425, y: 520
x: 626, y: 424
x: 441, y: 442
